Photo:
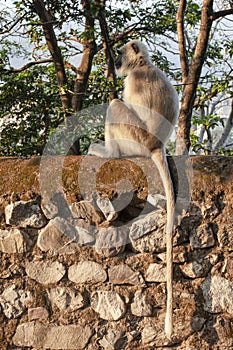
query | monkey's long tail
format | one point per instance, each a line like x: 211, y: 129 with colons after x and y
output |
x: 160, y: 160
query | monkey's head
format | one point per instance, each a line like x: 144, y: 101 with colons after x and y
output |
x: 131, y: 55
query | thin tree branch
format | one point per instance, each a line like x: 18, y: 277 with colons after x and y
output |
x: 215, y: 103
x: 222, y: 13
x: 27, y: 65
x: 118, y: 37
x: 226, y: 131
x: 205, y: 98
x: 12, y: 26
x: 181, y: 39
x: 71, y: 66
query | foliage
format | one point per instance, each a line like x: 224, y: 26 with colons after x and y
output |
x: 31, y: 105
x: 34, y: 111
x: 99, y: 87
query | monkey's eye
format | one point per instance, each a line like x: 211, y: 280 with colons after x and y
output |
x: 119, y: 52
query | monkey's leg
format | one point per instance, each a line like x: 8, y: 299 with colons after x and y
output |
x: 129, y: 132
x: 159, y: 157
x: 119, y: 112
x: 119, y: 116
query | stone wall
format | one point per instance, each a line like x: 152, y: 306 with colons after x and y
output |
x: 82, y: 261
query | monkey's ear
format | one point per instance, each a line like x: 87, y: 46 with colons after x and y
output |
x: 135, y: 48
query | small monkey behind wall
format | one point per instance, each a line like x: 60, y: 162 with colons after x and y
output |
x: 141, y: 126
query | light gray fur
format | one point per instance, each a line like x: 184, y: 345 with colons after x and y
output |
x: 141, y: 126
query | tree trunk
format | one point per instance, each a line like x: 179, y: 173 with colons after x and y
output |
x: 191, y: 79
x: 209, y: 145
x: 55, y: 52
x: 89, y: 51
x: 200, y: 139
x: 83, y: 72
x: 111, y: 74
x: 226, y: 131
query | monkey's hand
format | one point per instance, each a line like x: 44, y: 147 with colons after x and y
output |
x: 97, y: 149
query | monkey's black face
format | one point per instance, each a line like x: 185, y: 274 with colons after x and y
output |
x: 118, y: 61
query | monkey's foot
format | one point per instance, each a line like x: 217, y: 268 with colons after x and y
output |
x: 96, y: 149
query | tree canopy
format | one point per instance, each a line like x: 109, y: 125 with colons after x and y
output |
x: 57, y: 58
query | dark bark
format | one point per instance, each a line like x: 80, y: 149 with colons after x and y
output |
x: 181, y: 40
x: 191, y: 73
x: 28, y: 65
x: 192, y: 79
x: 55, y: 52
x: 222, y: 13
x: 54, y: 49
x: 111, y: 74
x: 89, y: 50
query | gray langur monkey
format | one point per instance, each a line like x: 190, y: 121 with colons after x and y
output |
x: 141, y: 126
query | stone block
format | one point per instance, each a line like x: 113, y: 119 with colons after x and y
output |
x: 49, y: 336
x: 202, y: 237
x: 87, y: 211
x: 45, y: 272
x: 107, y: 208
x: 218, y: 295
x: 156, y: 273
x: 113, y: 340
x: 66, y: 299
x: 140, y: 306
x: 25, y: 214
x: 87, y: 272
x: 145, y: 224
x: 14, y: 301
x: 123, y: 274
x: 108, y: 304
x: 36, y: 313
x: 13, y: 241
x: 111, y: 241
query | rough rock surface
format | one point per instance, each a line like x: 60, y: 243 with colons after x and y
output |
x: 87, y: 272
x: 109, y: 305
x: 24, y: 214
x: 156, y: 273
x: 107, y: 208
x: 43, y: 336
x: 83, y: 279
x: 144, y: 225
x: 140, y: 305
x: 66, y: 299
x: 59, y: 236
x: 215, y: 289
x: 14, y: 301
x: 37, y: 313
x: 45, y: 272
x: 113, y: 340
x: 13, y: 241
x: 203, y: 237
x: 123, y: 274
x: 111, y: 241
x: 86, y: 210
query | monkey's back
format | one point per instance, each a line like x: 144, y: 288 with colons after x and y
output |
x: 147, y: 87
